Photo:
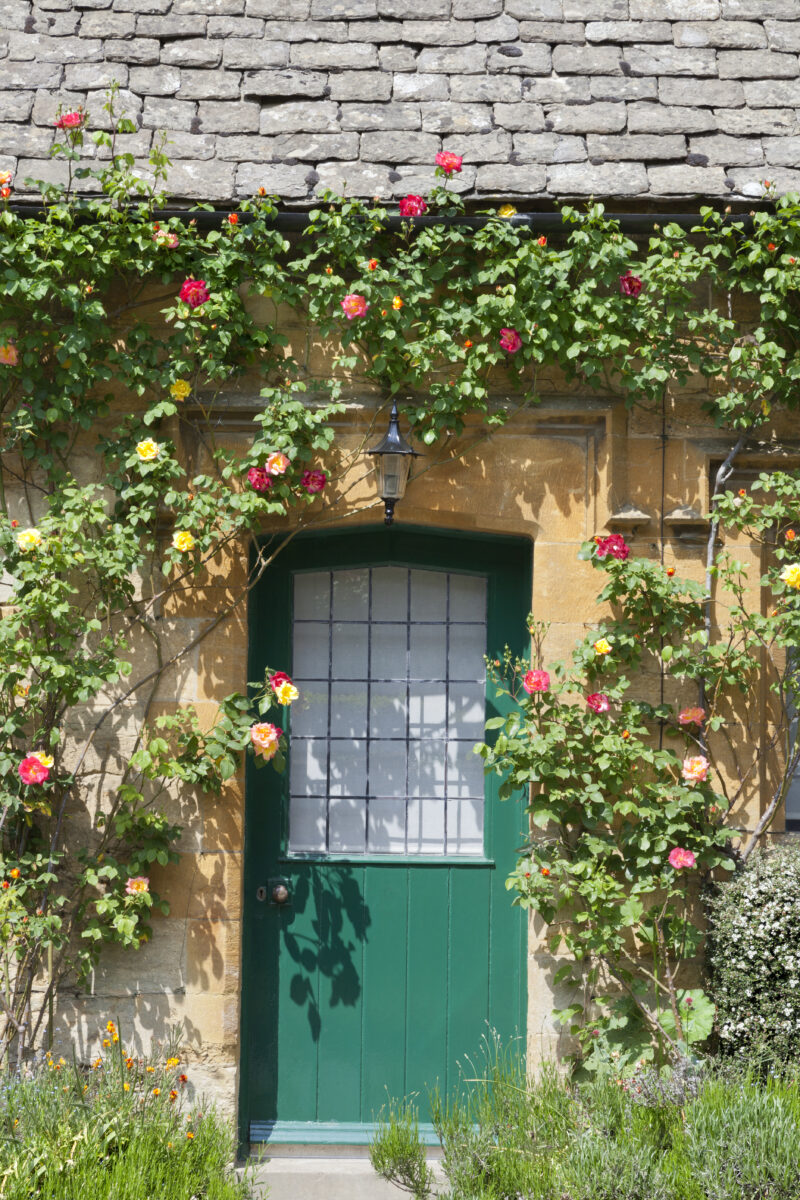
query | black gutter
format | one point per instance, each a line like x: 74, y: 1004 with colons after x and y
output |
x: 640, y: 224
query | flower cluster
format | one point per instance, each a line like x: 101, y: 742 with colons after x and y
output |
x: 284, y: 689
x: 613, y: 546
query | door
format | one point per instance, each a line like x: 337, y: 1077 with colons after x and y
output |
x: 395, y: 947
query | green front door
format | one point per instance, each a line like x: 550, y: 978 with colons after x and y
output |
x: 397, y: 947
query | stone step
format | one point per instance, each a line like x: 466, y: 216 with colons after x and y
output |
x: 322, y: 1173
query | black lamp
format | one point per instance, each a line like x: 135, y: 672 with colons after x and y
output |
x: 394, y: 463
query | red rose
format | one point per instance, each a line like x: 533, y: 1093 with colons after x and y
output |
x: 598, y: 702
x: 259, y: 479
x: 629, y: 284
x: 536, y: 681
x: 277, y: 679
x: 70, y: 120
x: 415, y: 206
x: 313, y: 481
x: 510, y: 340
x: 615, y: 545
x: 448, y: 161
x: 194, y: 292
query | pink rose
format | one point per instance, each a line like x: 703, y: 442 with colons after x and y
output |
x: 354, y: 305
x: 166, y: 240
x: 510, y: 340
x: 412, y: 206
x: 277, y: 463
x: 448, y: 161
x: 536, y: 681
x: 313, y: 481
x: 137, y: 885
x: 70, y: 120
x: 598, y: 702
x: 264, y: 738
x: 259, y: 479
x: 8, y: 355
x: 194, y: 292
x: 629, y: 284
x: 691, y: 716
x: 32, y: 770
x: 679, y: 858
x: 615, y: 545
x: 695, y: 769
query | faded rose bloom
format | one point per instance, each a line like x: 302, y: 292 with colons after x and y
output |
x: 602, y: 646
x: 313, y: 481
x: 137, y: 885
x: 510, y: 340
x: 630, y: 284
x: 166, y: 240
x: 695, y: 770
x: 194, y: 292
x: 412, y: 206
x: 8, y: 355
x: 183, y: 541
x: 277, y: 463
x: 536, y: 681
x: 354, y: 305
x: 598, y: 702
x: 691, y: 716
x: 615, y: 545
x: 264, y: 738
x: 679, y: 858
x: 70, y: 120
x: 33, y: 770
x: 791, y: 575
x: 259, y: 479
x: 448, y: 161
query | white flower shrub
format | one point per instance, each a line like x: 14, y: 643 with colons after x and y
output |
x: 754, y: 956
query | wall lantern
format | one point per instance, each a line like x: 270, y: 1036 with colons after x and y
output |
x: 394, y: 463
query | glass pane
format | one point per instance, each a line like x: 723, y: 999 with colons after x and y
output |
x: 467, y: 650
x: 427, y: 709
x: 387, y: 710
x: 311, y: 653
x: 312, y: 596
x: 426, y: 763
x: 468, y: 598
x: 351, y: 595
x: 428, y: 656
x: 428, y: 596
x: 387, y: 826
x: 349, y: 651
x: 426, y: 826
x: 348, y: 772
x: 389, y: 594
x: 307, y: 823
x: 464, y: 770
x: 347, y: 825
x: 310, y: 710
x: 464, y: 826
x: 389, y: 651
x: 387, y: 768
x: 466, y: 710
x: 348, y: 710
x: 308, y: 771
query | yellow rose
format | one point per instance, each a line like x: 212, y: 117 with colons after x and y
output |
x: 148, y: 450
x: 602, y: 646
x: 29, y: 539
x: 506, y: 210
x: 182, y: 540
x: 285, y: 693
x: 791, y: 575
x: 45, y: 759
x: 180, y: 389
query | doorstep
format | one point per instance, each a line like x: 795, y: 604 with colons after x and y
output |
x: 302, y: 1172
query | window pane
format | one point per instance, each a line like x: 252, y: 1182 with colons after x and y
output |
x: 348, y: 773
x: 389, y: 651
x: 387, y: 825
x: 468, y: 598
x: 467, y: 650
x: 308, y: 771
x: 387, y: 710
x: 307, y: 823
x: 428, y: 596
x: 387, y: 768
x: 428, y: 658
x: 347, y: 825
x: 427, y: 708
x: 348, y: 710
x: 464, y: 826
x: 312, y: 596
x: 426, y: 826
x: 389, y: 594
x: 349, y: 651
x: 466, y: 710
x: 350, y: 595
x: 310, y: 658
x: 309, y: 713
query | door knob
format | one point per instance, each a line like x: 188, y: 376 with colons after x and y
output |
x: 279, y: 894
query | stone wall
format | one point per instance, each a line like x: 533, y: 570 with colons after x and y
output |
x: 657, y: 99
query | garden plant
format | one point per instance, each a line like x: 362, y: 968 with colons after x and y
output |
x: 122, y: 333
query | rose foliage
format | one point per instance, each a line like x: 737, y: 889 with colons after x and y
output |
x: 123, y: 334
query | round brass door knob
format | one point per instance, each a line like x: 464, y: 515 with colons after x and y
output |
x: 280, y: 893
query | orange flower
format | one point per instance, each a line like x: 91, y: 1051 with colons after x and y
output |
x: 467, y: 344
x: 625, y: 735
x: 189, y: 1134
x: 129, y: 1063
x: 126, y: 1087
x: 670, y: 571
x: 262, y: 191
x: 329, y: 270
x: 742, y: 491
x: 545, y: 870
x: 771, y: 246
x: 183, y: 1078
x: 372, y: 264
x: 233, y: 219
x: 790, y: 536
x: 542, y: 241
x: 397, y: 302
x: 6, y: 884
x: 156, y: 1091
x: 173, y: 1095
x: 14, y: 872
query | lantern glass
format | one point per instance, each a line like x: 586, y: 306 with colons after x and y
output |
x: 393, y: 472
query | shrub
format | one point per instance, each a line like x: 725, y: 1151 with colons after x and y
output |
x: 691, y: 1133
x: 755, y: 957
x: 115, y: 1130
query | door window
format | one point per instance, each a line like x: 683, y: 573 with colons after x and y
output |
x: 390, y: 666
